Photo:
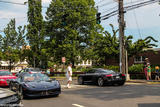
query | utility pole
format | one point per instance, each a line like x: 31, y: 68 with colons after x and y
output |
x: 121, y: 37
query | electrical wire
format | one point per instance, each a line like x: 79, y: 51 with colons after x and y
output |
x: 24, y: 4
x: 106, y: 4
x: 100, y: 1
x: 131, y: 7
x: 12, y: 2
x: 137, y: 23
x: 12, y: 18
x: 116, y: 7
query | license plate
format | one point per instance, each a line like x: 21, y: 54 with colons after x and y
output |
x: 117, y: 77
x: 44, y: 93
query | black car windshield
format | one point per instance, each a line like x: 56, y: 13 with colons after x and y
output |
x: 35, y: 70
x: 107, y: 71
x: 30, y: 77
x: 3, y: 73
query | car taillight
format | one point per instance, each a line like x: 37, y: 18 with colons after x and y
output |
x: 109, y: 75
x: 123, y: 75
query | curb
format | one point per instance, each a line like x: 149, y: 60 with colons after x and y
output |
x: 143, y: 81
x: 128, y: 82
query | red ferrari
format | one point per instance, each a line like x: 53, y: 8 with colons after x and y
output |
x: 4, y: 76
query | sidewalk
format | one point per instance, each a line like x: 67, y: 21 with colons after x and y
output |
x: 142, y: 81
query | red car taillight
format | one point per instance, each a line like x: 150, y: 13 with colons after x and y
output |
x: 109, y: 75
x: 123, y: 75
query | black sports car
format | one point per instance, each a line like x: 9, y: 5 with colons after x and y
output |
x: 9, y: 98
x: 29, y: 84
x: 102, y: 76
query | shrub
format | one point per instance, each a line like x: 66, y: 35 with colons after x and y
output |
x: 111, y: 67
x: 136, y: 68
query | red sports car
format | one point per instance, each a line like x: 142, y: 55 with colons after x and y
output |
x: 4, y: 76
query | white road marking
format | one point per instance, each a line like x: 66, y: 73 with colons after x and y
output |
x: 77, y: 105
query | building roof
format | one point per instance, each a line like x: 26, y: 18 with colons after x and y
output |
x: 153, y: 49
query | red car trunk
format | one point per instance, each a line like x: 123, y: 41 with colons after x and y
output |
x: 4, y: 78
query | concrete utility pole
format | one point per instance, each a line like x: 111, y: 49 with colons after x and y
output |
x: 121, y: 37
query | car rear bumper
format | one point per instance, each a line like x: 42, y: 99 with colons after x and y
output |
x: 31, y: 93
x: 3, y: 83
x: 114, y: 80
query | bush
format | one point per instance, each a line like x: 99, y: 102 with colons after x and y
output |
x: 136, y: 68
x: 111, y: 67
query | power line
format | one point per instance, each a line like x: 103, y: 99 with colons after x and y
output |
x: 100, y: 1
x: 132, y: 2
x: 105, y: 4
x: 12, y: 18
x: 115, y: 7
x: 16, y: 3
x: 12, y: 2
x: 137, y: 24
x: 110, y: 9
x: 127, y: 8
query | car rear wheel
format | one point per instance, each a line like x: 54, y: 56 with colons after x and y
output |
x: 121, y: 83
x: 80, y: 81
x: 100, y: 82
x: 20, y: 93
x: 56, y: 95
x: 11, y: 86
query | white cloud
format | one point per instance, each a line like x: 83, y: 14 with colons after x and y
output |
x: 6, y: 16
x: 46, y: 1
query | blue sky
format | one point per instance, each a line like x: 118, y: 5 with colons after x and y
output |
x: 140, y: 23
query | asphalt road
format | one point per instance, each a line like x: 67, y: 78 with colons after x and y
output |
x: 129, y: 95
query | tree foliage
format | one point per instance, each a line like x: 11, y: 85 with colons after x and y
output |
x: 71, y: 28
x: 35, y: 34
x: 106, y: 46
x: 12, y: 42
x: 139, y: 46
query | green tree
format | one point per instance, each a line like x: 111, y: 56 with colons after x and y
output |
x: 140, y: 45
x: 12, y: 42
x: 107, y: 46
x: 35, y: 34
x: 71, y: 28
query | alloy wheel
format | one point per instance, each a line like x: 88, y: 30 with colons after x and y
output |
x: 100, y: 82
x: 80, y: 80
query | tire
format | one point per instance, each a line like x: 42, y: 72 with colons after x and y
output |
x: 20, y: 93
x: 100, y: 82
x: 80, y: 81
x: 121, y: 83
x: 10, y: 87
x: 57, y: 95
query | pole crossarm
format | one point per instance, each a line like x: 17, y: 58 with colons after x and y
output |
x: 128, y: 8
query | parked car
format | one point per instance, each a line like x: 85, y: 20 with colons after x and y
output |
x: 33, y: 84
x: 9, y: 98
x: 4, y: 76
x: 101, y: 77
x: 29, y: 70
